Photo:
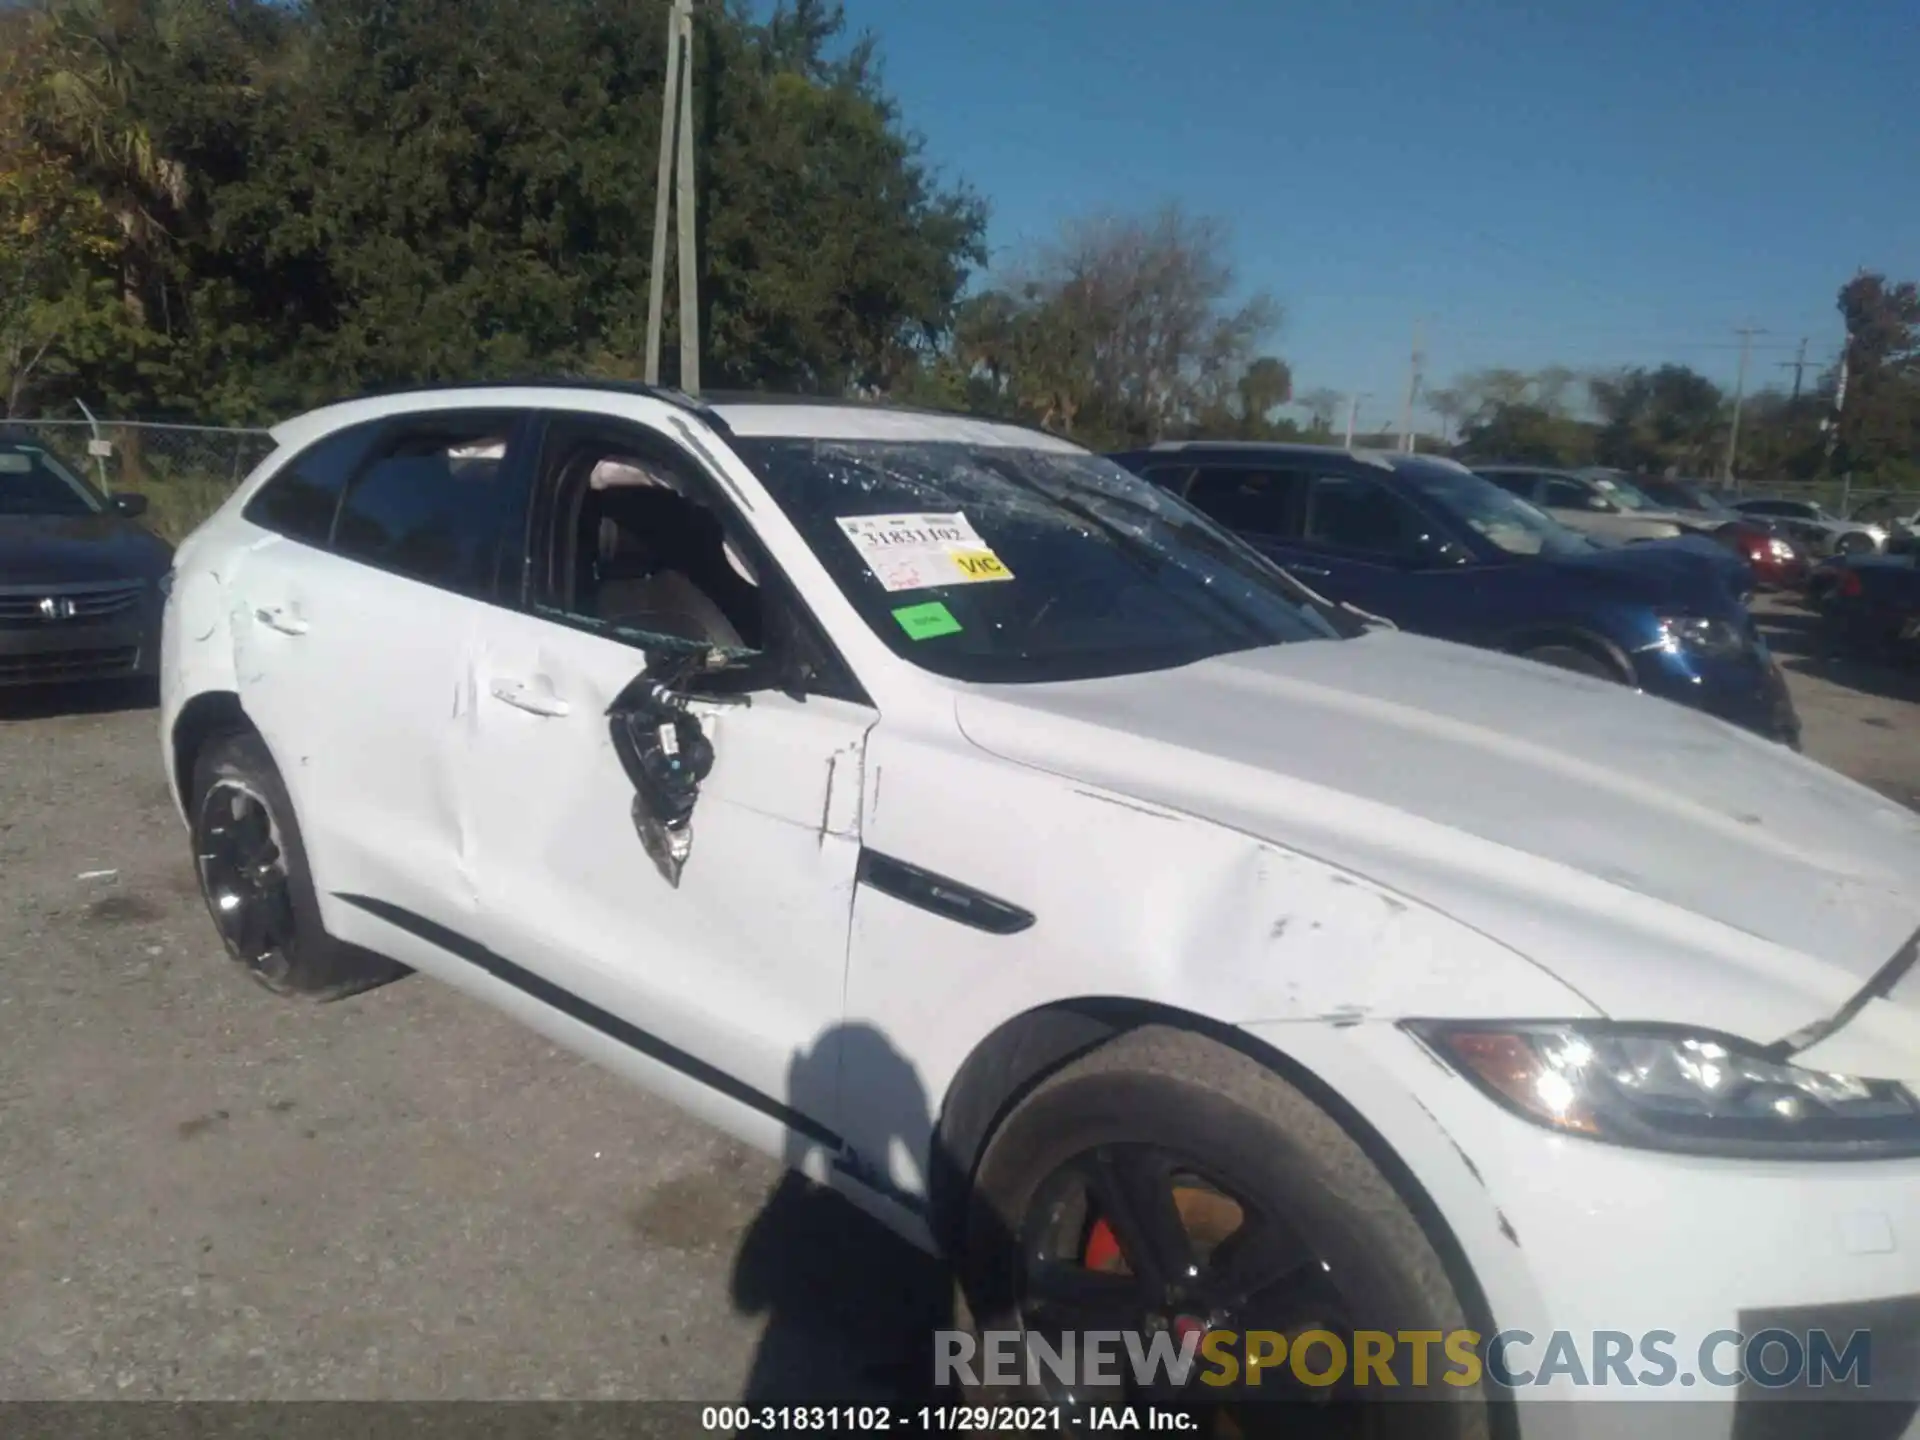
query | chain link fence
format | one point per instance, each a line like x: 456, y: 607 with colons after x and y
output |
x: 185, y: 471
x: 1852, y: 499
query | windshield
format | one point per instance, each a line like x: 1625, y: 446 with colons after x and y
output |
x: 994, y: 564
x: 1496, y: 515
x: 1625, y: 494
x: 32, y: 482
x: 1678, y: 495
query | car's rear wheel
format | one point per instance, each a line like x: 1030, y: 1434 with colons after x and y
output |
x: 1854, y: 543
x: 1167, y: 1185
x: 252, y: 867
x: 1572, y: 657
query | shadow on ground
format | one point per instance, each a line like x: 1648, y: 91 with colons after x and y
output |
x: 851, y: 1309
x: 99, y: 697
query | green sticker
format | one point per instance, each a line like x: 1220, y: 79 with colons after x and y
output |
x: 923, y: 622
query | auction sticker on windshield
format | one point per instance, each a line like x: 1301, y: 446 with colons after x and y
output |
x: 918, y: 552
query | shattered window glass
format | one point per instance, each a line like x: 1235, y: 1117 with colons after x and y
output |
x: 997, y: 564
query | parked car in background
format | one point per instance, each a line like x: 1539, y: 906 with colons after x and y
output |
x: 1777, y: 563
x: 936, y: 807
x: 1605, y: 505
x: 1870, y: 602
x: 1822, y: 531
x: 80, y: 579
x: 1441, y: 551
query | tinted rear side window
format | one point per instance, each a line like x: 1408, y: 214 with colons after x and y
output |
x: 300, y: 501
x: 1513, y: 482
x: 430, y: 504
x: 1254, y: 502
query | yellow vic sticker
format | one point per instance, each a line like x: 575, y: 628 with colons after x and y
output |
x: 980, y: 565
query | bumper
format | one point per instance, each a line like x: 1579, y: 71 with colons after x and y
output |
x: 1748, y: 690
x: 1690, y: 1258
x: 70, y: 652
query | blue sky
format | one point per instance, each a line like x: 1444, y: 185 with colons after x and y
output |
x: 1540, y: 182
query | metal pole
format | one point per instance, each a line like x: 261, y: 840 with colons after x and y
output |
x: 687, y: 280
x: 657, y: 280
x: 1798, y: 365
x: 93, y: 425
x: 1413, y: 387
x: 1353, y: 412
x: 1739, y: 393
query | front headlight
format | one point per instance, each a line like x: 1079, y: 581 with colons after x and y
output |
x: 1665, y: 1087
x: 1700, y: 636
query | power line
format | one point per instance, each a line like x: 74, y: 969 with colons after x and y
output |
x: 1798, y: 365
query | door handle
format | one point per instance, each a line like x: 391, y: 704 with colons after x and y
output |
x: 523, y: 696
x: 276, y: 617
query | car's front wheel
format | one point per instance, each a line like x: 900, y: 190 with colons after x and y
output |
x: 252, y: 867
x: 1168, y: 1186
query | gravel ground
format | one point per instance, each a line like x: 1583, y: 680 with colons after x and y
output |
x: 210, y: 1193
x: 206, y: 1192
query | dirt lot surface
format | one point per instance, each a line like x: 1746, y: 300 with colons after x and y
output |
x: 206, y: 1192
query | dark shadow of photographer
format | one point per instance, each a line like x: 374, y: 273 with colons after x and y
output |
x: 851, y: 1308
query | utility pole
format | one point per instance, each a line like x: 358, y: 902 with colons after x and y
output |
x: 676, y: 114
x: 1832, y: 423
x: 1353, y: 412
x: 1798, y: 365
x: 1746, y: 334
x: 1413, y: 389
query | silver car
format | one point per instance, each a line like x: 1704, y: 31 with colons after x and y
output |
x: 1824, y: 532
x: 1603, y: 504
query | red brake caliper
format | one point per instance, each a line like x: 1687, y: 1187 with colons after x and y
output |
x: 1103, y: 1247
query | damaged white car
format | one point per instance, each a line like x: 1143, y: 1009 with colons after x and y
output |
x: 935, y: 805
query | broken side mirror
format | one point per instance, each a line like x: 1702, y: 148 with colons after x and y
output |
x: 665, y: 750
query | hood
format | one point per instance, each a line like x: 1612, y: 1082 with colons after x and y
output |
x: 1662, y: 863
x: 1683, y: 574
x: 74, y: 549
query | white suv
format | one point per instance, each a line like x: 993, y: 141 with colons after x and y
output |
x: 935, y: 805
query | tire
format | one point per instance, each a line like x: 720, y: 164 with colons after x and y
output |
x: 1854, y: 543
x: 248, y: 852
x: 1225, y: 1115
x: 1572, y: 657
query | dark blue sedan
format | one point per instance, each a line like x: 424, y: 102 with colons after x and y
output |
x: 1437, y: 550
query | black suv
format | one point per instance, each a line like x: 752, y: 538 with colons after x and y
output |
x: 1440, y: 551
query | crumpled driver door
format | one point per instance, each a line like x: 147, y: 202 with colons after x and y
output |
x: 718, y: 942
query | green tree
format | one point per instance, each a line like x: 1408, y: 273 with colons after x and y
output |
x: 1669, y: 418
x: 321, y: 197
x: 1321, y: 406
x: 1528, y: 433
x: 1123, y: 330
x: 1880, y: 420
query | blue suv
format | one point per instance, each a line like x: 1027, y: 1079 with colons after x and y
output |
x: 1440, y: 551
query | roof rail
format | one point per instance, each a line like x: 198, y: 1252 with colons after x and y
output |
x: 679, y: 398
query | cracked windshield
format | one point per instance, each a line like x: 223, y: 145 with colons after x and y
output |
x: 1001, y: 564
